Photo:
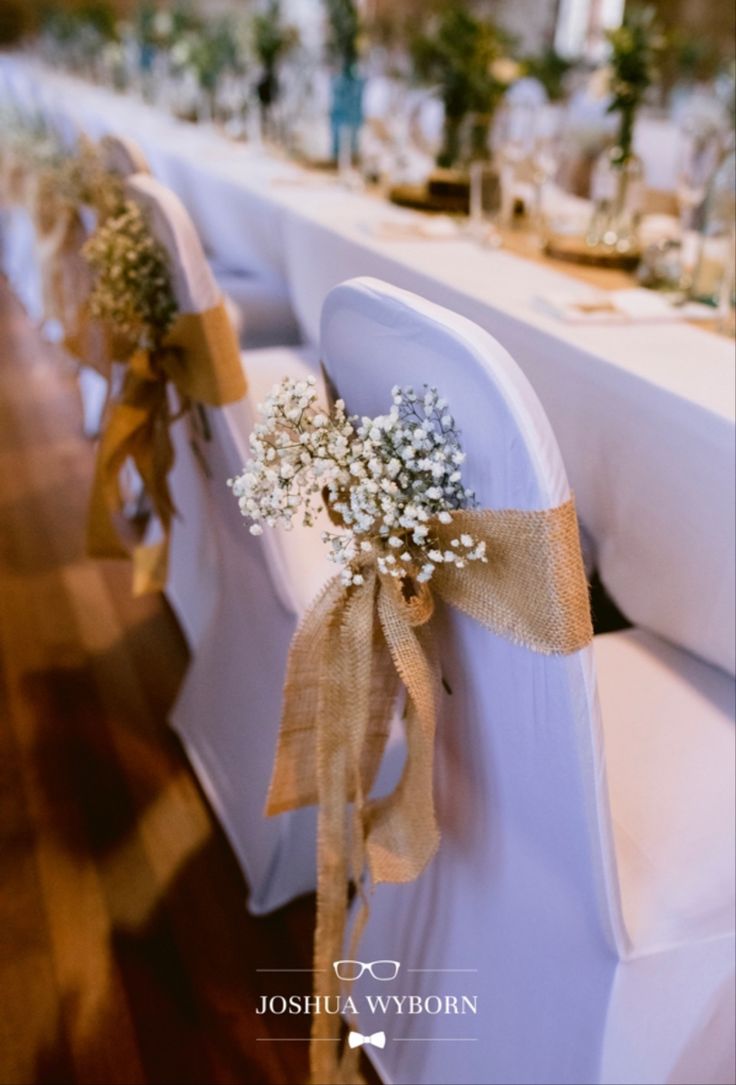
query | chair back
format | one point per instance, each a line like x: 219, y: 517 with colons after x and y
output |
x: 123, y: 156
x: 526, y: 864
x: 194, y: 284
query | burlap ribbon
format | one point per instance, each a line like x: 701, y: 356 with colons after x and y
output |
x: 200, y: 357
x: 352, y: 650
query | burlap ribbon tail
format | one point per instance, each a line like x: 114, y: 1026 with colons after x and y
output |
x: 353, y: 650
x: 200, y: 357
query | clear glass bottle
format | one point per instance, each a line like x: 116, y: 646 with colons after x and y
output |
x: 617, y: 192
x: 715, y: 254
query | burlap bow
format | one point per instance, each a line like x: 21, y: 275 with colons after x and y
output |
x: 201, y: 359
x: 352, y: 650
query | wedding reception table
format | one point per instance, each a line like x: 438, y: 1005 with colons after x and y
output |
x: 644, y: 412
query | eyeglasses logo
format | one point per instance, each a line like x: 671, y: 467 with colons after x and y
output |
x: 348, y: 971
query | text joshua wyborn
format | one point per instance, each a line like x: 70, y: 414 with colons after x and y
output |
x: 398, y: 1004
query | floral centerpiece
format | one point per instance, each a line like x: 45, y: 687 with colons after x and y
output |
x: 273, y: 40
x: 156, y: 30
x: 467, y: 58
x: 78, y: 35
x: 635, y: 49
x: 617, y: 183
x: 209, y: 53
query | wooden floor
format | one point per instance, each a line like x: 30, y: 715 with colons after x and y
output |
x: 126, y: 952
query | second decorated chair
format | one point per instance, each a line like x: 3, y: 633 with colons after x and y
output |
x: 582, y: 894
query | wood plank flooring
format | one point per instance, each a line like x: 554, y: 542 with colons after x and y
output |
x: 126, y: 952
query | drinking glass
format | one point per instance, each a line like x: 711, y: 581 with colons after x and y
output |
x: 697, y: 162
x: 485, y: 204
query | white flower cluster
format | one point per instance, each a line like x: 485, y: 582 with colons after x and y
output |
x: 132, y: 288
x: 384, y: 480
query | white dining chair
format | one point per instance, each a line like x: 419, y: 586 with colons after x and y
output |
x: 583, y: 890
x: 258, y: 301
x: 122, y: 155
x: 235, y: 598
x: 124, y: 158
x: 193, y: 550
x: 17, y: 232
x: 194, y: 546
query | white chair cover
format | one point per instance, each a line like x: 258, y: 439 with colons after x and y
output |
x: 19, y: 260
x: 241, y: 702
x: 649, y: 467
x: 259, y: 304
x: 125, y: 158
x: 234, y: 598
x: 192, y: 583
x: 17, y: 233
x: 228, y: 710
x: 262, y: 308
x: 523, y: 904
x: 123, y: 155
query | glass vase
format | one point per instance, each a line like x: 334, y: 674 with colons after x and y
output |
x: 617, y: 192
x: 346, y: 113
x: 713, y: 269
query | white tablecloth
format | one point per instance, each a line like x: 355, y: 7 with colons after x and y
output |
x: 644, y: 414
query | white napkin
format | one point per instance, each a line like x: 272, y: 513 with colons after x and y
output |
x: 634, y: 306
x: 414, y: 228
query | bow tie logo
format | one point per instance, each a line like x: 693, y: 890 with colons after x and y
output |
x: 356, y: 1039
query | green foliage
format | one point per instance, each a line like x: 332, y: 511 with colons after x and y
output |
x: 695, y: 59
x: 344, y: 30
x: 459, y: 52
x: 87, y: 24
x: 214, y: 52
x: 160, y: 33
x: 272, y: 38
x: 550, y: 69
x: 636, y: 50
x: 100, y: 17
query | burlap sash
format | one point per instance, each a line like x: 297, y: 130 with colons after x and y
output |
x: 201, y: 358
x: 345, y: 663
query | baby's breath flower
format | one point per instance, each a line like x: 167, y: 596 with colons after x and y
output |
x: 384, y: 480
x: 132, y: 290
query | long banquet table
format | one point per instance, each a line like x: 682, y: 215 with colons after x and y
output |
x: 645, y: 414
